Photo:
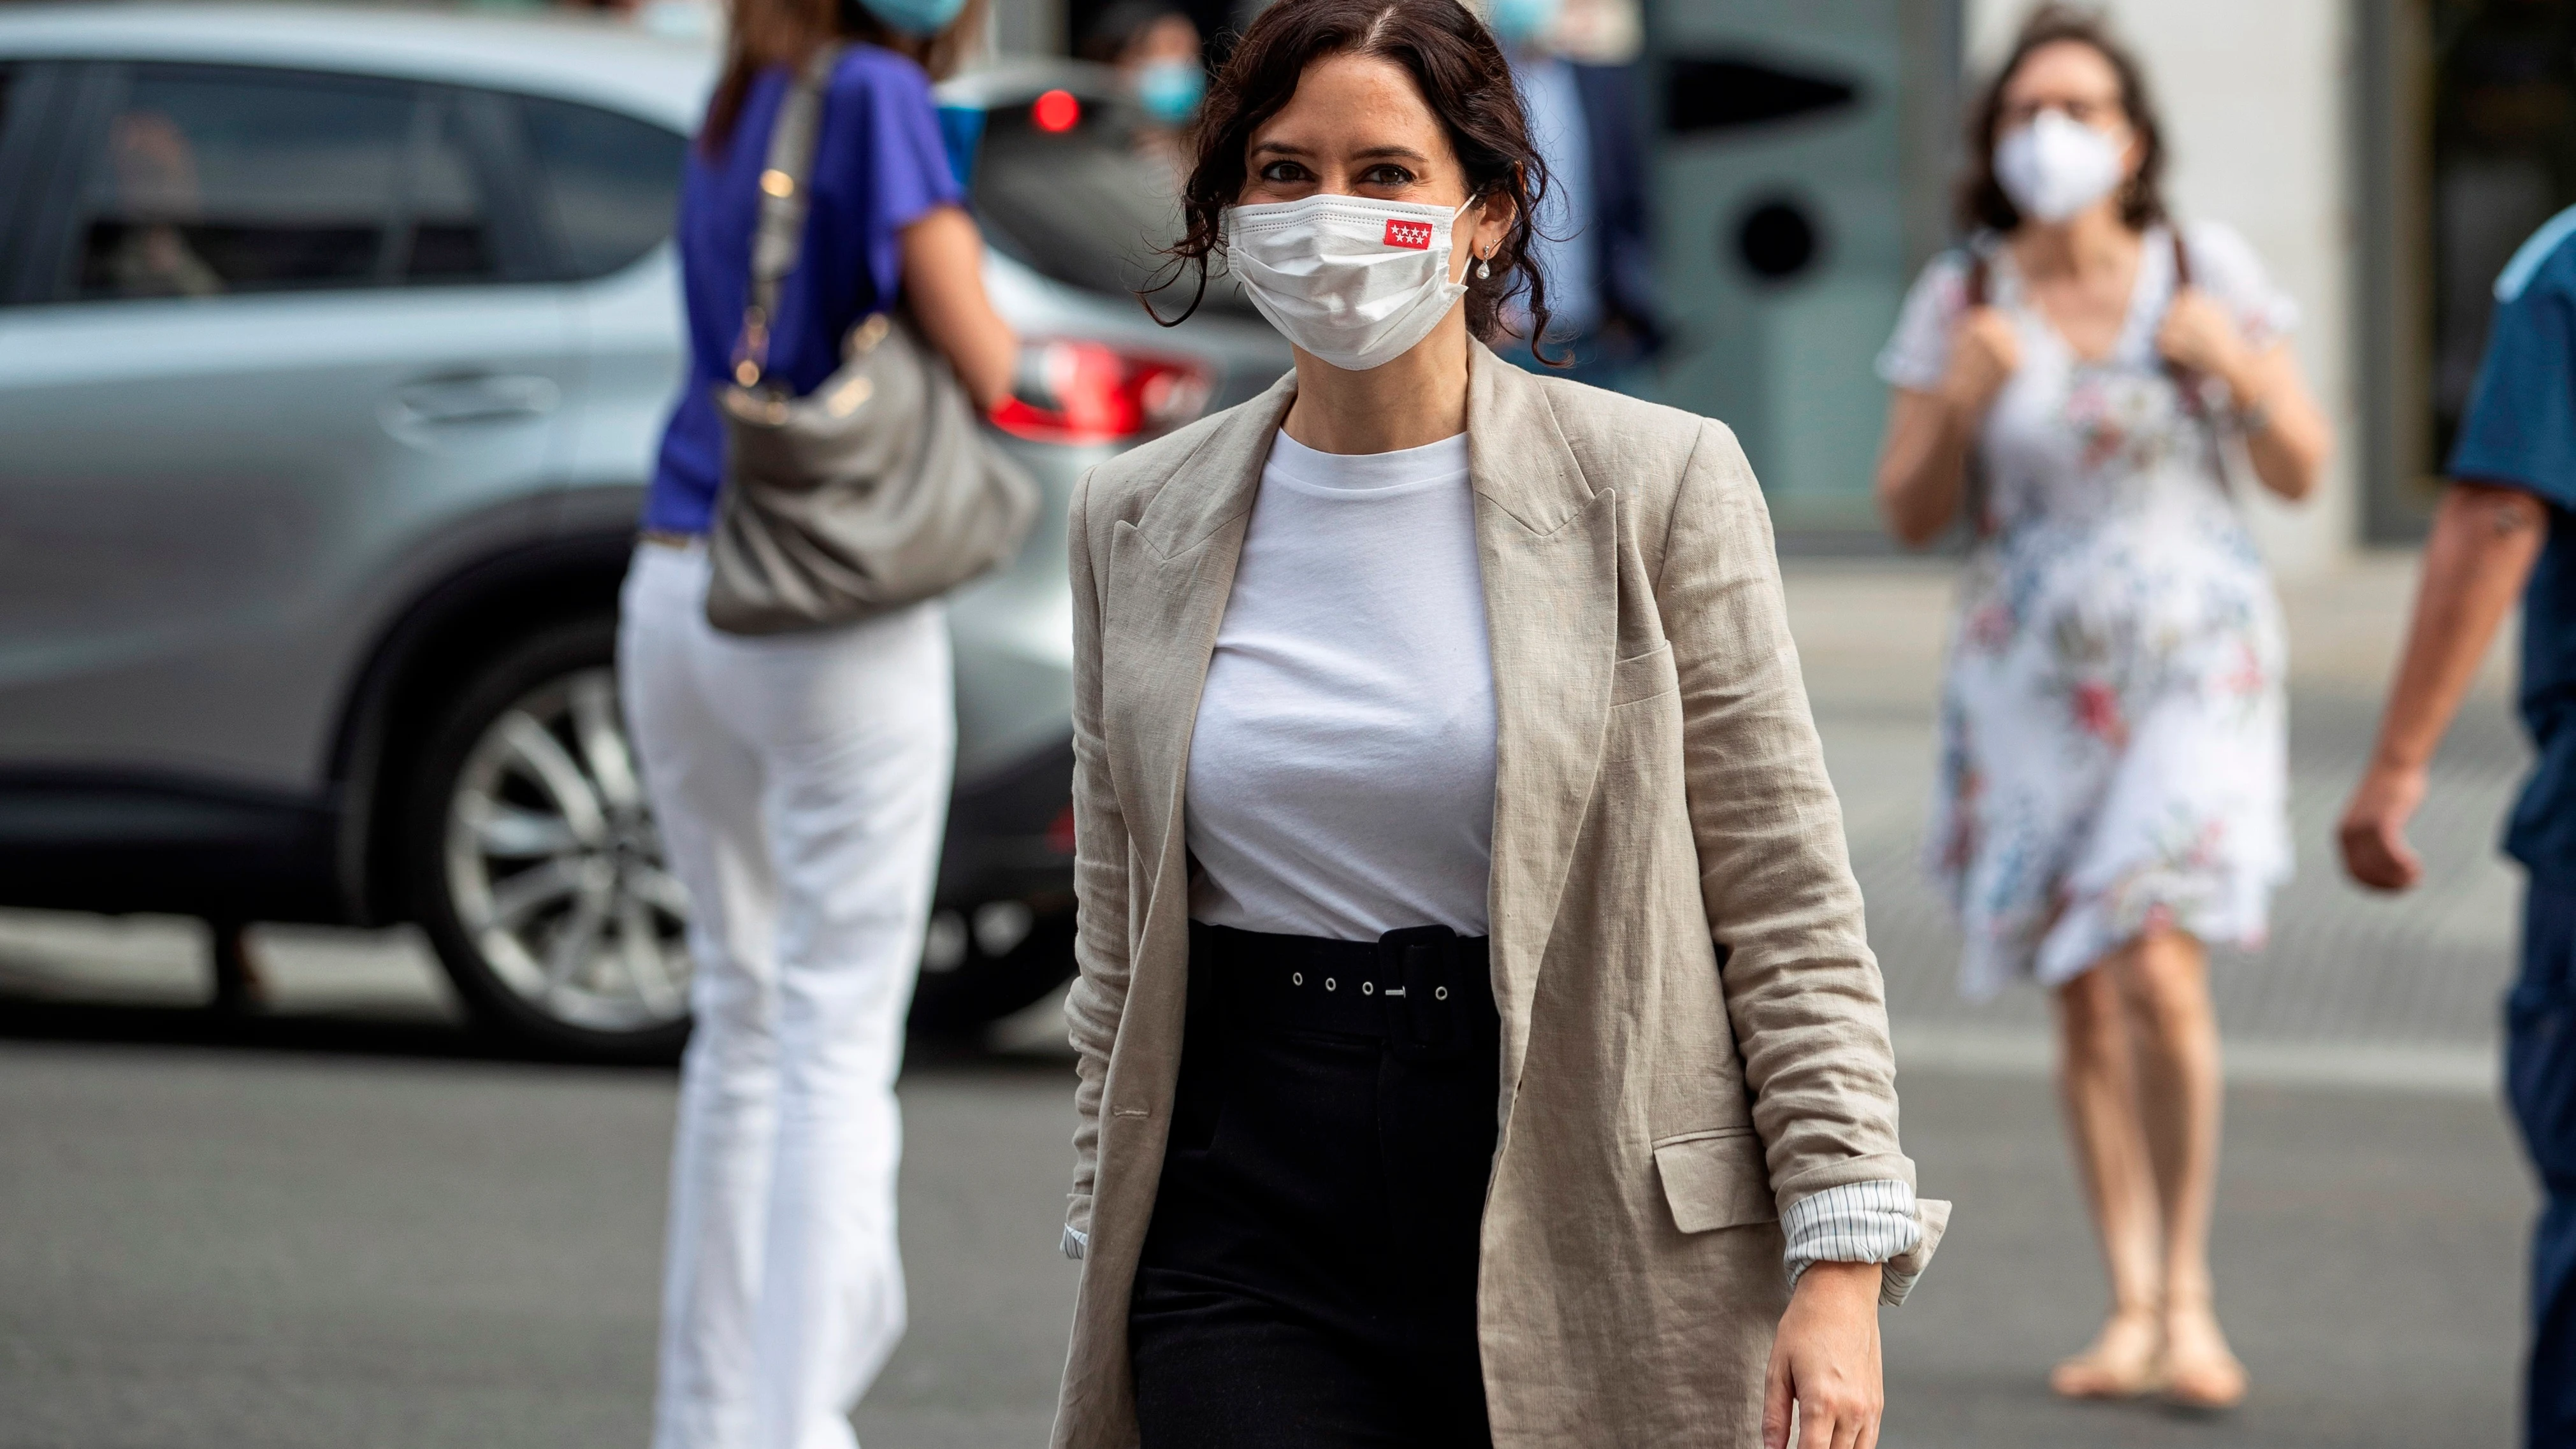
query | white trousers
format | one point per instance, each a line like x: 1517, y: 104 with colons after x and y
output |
x: 801, y: 783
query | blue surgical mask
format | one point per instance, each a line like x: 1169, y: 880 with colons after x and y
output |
x: 1525, y: 22
x: 1170, y: 90
x: 919, y: 18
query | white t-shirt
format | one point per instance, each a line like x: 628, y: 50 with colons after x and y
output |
x: 1341, y: 776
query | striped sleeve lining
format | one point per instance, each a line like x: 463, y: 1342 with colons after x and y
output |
x: 1858, y: 1222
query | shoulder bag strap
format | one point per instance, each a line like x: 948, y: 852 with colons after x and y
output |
x: 1972, y: 493
x: 2182, y: 376
x: 2187, y: 382
x: 781, y: 232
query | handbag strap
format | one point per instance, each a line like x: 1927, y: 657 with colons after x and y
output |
x: 2184, y: 379
x: 781, y: 231
x: 1973, y: 489
x: 2187, y: 382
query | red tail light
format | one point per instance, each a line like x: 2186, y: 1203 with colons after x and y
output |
x: 1056, y: 111
x: 1088, y: 392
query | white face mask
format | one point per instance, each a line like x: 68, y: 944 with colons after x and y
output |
x: 2055, y: 166
x: 1356, y: 282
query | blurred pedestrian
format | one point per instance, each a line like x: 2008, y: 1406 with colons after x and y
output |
x: 1155, y: 49
x: 2505, y: 521
x: 800, y: 780
x: 1593, y: 239
x: 1438, y: 734
x: 156, y: 177
x: 2113, y: 733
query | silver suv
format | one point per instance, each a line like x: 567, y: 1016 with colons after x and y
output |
x: 334, y: 349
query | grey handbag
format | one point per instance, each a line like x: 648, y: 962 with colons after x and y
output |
x: 876, y: 490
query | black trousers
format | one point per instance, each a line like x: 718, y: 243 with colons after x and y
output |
x: 1309, y: 1279
x: 2540, y: 1080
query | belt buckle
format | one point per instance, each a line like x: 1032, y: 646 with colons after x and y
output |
x: 1418, y: 982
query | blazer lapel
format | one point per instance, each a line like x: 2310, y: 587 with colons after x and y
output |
x: 1548, y: 545
x: 1172, y: 572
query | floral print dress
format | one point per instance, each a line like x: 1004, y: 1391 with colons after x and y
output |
x: 2113, y: 753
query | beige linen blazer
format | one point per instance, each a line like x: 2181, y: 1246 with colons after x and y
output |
x: 1694, y: 1031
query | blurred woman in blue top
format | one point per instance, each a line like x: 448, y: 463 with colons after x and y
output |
x: 800, y: 781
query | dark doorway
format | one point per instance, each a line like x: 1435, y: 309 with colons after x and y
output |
x: 2466, y: 110
x: 2504, y: 161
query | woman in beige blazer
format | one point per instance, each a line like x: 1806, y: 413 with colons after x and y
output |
x: 1477, y: 1035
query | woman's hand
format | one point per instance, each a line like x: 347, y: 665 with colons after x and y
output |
x: 1984, y: 354
x: 1825, y: 1361
x: 2199, y: 336
x: 1922, y: 465
x: 2285, y: 434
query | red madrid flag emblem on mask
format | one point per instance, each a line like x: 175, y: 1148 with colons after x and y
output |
x: 1410, y: 235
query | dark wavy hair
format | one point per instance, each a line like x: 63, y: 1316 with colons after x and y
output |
x: 1982, y: 202
x: 1463, y: 77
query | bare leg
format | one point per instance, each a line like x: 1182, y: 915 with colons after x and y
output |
x: 2097, y: 1083
x: 2165, y: 979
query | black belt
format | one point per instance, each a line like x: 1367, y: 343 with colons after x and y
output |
x: 1426, y: 989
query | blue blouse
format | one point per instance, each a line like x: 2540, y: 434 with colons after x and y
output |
x: 879, y: 165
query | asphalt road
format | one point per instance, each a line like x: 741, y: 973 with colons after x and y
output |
x: 334, y: 1229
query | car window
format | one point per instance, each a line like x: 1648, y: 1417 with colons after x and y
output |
x: 13, y: 182
x: 608, y: 185
x: 211, y: 182
x: 1089, y: 197
x: 38, y: 104
x: 450, y: 238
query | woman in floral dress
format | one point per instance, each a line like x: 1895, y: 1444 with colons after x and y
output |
x: 2113, y: 781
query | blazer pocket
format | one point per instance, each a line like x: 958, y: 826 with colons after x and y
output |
x: 1648, y: 675
x: 1715, y: 1179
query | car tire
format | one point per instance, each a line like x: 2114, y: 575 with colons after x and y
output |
x: 531, y: 858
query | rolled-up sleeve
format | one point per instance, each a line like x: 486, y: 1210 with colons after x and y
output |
x: 1856, y: 1222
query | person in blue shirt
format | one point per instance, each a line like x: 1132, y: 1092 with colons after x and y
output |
x: 800, y: 781
x: 2506, y: 526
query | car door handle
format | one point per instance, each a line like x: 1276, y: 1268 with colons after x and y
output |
x: 473, y: 398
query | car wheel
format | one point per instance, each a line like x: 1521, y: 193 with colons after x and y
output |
x: 533, y: 859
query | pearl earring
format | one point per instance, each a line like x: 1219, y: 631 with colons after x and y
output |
x: 1485, y: 268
